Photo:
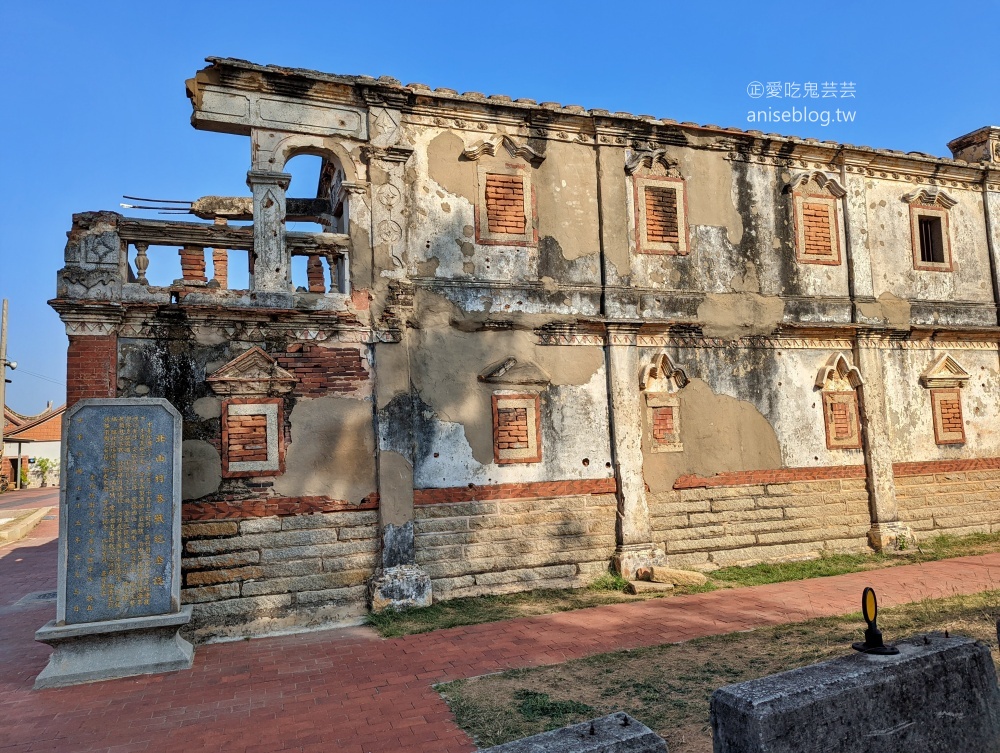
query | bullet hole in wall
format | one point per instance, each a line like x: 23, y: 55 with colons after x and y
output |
x: 437, y: 454
x: 586, y: 461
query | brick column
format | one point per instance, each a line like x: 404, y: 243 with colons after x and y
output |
x: 886, y: 529
x: 314, y: 274
x: 91, y: 367
x: 635, y: 547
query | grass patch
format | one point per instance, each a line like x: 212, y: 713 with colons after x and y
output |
x: 609, y: 588
x: 668, y: 687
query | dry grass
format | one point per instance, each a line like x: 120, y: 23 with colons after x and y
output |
x: 668, y: 687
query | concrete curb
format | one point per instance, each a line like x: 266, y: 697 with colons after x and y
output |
x: 21, y: 526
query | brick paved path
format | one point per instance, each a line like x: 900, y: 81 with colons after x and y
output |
x: 29, y: 499
x: 347, y: 690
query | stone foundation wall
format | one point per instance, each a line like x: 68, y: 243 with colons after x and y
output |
x: 718, y: 526
x: 957, y: 501
x: 270, y: 574
x: 500, y: 546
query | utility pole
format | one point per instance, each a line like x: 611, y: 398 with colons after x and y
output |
x: 4, y: 363
x: 3, y: 372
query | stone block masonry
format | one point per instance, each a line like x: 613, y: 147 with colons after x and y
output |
x: 269, y: 574
x: 706, y: 528
x: 506, y: 545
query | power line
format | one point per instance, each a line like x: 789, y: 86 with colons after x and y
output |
x: 40, y: 376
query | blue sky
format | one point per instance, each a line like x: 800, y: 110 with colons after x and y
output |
x: 94, y: 103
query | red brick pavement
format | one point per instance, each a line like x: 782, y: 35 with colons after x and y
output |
x: 347, y: 690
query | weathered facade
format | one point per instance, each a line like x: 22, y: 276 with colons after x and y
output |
x: 536, y: 340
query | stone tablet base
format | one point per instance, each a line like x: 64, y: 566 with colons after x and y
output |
x: 92, y: 651
x: 937, y: 694
x: 617, y: 732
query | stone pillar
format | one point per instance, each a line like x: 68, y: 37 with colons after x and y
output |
x: 886, y: 530
x: 991, y: 210
x: 635, y: 547
x: 398, y: 582
x: 272, y: 269
x: 855, y: 205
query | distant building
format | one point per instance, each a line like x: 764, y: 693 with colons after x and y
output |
x: 28, y: 438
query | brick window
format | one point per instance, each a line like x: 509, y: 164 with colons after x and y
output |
x: 929, y: 238
x: 817, y: 229
x: 252, y: 437
x: 663, y: 416
x: 661, y: 215
x: 505, y: 211
x: 517, y: 434
x: 949, y: 426
x: 843, y: 425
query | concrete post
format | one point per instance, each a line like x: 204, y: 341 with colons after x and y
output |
x: 272, y: 267
x: 886, y: 530
x: 635, y: 547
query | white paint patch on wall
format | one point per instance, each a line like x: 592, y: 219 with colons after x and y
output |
x: 909, y: 404
x: 574, y: 429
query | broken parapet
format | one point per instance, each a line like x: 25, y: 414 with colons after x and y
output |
x: 614, y: 733
x: 937, y: 694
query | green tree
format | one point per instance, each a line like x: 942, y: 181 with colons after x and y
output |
x: 45, y: 466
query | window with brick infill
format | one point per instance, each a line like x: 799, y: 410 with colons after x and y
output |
x: 817, y: 229
x: 252, y: 437
x: 505, y: 211
x: 661, y: 217
x: 516, y: 429
x: 663, y: 416
x: 949, y: 425
x: 843, y: 425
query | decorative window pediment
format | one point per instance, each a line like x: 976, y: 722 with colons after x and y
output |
x: 801, y: 180
x: 837, y: 373
x: 930, y: 196
x: 251, y: 373
x: 492, y: 148
x: 841, y: 417
x: 649, y: 158
x: 512, y: 371
x: 662, y: 375
x: 944, y: 372
x: 660, y: 381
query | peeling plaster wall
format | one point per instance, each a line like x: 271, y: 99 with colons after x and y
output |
x: 892, y: 254
x: 454, y: 442
x: 746, y: 409
x: 909, y: 404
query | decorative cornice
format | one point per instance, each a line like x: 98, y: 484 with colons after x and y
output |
x: 491, y: 146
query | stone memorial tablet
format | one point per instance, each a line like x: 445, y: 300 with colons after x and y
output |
x: 118, y: 609
x: 122, y: 470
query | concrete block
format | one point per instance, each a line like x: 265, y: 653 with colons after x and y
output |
x: 614, y: 733
x: 400, y: 587
x: 941, y: 695
x: 92, y: 651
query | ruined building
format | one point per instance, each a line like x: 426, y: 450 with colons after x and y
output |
x: 535, y: 341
